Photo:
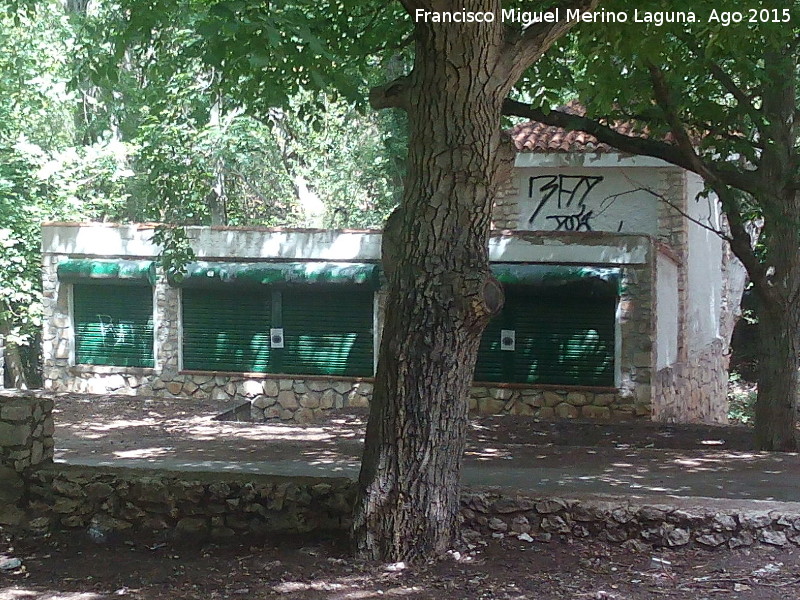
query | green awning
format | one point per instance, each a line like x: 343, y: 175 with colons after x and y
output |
x: 204, y: 274
x: 141, y: 272
x: 598, y: 281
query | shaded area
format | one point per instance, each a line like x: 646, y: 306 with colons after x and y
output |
x: 74, y: 568
x: 631, y: 459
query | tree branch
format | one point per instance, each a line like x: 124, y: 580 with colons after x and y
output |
x: 412, y: 6
x: 661, y: 92
x: 740, y: 240
x: 744, y: 100
x: 633, y: 145
x: 534, y: 40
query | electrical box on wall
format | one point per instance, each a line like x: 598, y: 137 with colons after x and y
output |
x: 276, y: 338
x: 508, y: 340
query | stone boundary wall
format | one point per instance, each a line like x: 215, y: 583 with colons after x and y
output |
x: 26, y: 443
x: 554, y: 403
x: 627, y: 523
x: 127, y: 502
x: 26, y: 431
x: 184, y: 504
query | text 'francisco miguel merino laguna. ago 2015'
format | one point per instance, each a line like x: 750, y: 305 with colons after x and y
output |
x: 658, y: 18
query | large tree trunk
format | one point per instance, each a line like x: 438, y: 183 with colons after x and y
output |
x: 779, y: 329
x: 441, y: 296
x: 779, y: 319
x: 441, y: 292
x: 779, y: 362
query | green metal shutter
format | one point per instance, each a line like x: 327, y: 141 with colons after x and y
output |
x: 113, y: 325
x: 226, y: 330
x: 559, y: 341
x: 327, y: 331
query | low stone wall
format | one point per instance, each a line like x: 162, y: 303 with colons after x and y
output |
x: 207, y: 505
x: 26, y: 430
x: 126, y: 502
x: 306, y: 399
x: 627, y: 523
x: 552, y: 403
x: 301, y: 400
x: 26, y: 443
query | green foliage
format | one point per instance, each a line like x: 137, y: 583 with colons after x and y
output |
x: 608, y: 66
x: 176, y: 251
x: 226, y: 107
x: 741, y: 400
x: 177, y: 112
x: 34, y: 71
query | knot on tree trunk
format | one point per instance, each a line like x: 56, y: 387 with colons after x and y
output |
x: 390, y: 95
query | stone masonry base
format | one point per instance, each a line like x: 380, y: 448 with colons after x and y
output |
x: 305, y: 399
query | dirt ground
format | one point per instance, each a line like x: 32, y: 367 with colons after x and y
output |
x: 76, y: 568
x: 125, y: 427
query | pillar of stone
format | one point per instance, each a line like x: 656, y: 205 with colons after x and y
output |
x: 26, y: 443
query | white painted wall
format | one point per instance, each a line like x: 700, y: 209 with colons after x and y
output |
x: 667, y: 303
x: 704, y: 268
x: 611, y: 199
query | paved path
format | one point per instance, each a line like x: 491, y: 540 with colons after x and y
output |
x: 508, y: 453
x: 563, y: 471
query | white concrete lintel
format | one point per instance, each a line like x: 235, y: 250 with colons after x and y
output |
x: 587, y: 159
x: 515, y: 249
x: 333, y: 245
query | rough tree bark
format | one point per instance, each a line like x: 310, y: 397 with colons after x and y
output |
x: 14, y: 364
x: 441, y: 292
x: 779, y: 294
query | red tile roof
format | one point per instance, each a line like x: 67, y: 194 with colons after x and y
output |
x: 538, y: 137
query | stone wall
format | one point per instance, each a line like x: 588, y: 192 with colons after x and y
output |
x: 636, y: 336
x: 26, y: 443
x: 207, y: 505
x: 505, y: 211
x: 695, y: 388
x: 160, y: 504
x: 601, y: 405
x: 723, y: 524
x: 26, y: 431
x: 695, y: 391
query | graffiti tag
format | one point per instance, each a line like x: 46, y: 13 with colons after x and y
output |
x: 574, y: 222
x: 560, y: 192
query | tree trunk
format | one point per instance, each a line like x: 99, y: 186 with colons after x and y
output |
x: 779, y: 329
x: 441, y: 295
x: 14, y: 365
x: 779, y: 362
x: 779, y: 319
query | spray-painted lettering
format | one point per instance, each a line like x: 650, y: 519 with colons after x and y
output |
x: 574, y: 222
x: 560, y: 196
